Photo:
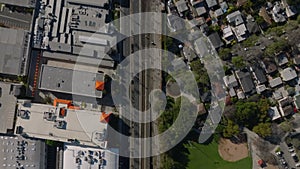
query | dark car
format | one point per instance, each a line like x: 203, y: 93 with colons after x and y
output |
x: 296, y: 159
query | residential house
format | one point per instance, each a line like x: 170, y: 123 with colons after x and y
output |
x: 251, y: 25
x: 181, y: 7
x: 259, y: 74
x: 280, y: 93
x: 224, y: 6
x: 288, y: 74
x: 241, y: 2
x: 274, y: 113
x: 228, y: 35
x: 230, y: 81
x: 219, y: 12
x: 261, y: 88
x: 281, y: 59
x: 290, y: 11
x: 240, y: 32
x: 239, y: 28
x: 211, y: 3
x: 270, y: 67
x: 263, y: 13
x: 241, y: 95
x: 285, y: 106
x: 297, y: 101
x: 199, y: 7
x: 235, y: 18
x: 215, y: 39
x: 275, y: 82
x: 277, y: 13
x: 246, y: 82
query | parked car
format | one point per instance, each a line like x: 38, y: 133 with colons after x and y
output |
x: 297, y: 165
x: 279, y: 153
x: 296, y: 159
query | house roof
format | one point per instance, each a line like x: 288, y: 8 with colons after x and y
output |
x: 227, y: 32
x: 245, y: 81
x: 274, y: 113
x: 181, y: 6
x: 263, y: 13
x: 275, y: 82
x: 259, y: 74
x: 281, y: 59
x: 240, y: 31
x: 270, y: 67
x: 235, y: 18
x: 200, y: 7
x: 218, y: 12
x: 260, y: 88
x: 215, y: 40
x: 224, y: 6
x: 290, y: 11
x: 241, y: 95
x: 230, y: 81
x: 288, y: 74
x: 211, y: 3
x: 297, y: 101
x: 252, y: 27
x: 297, y: 60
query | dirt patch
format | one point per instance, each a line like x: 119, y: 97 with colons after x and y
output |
x: 232, y: 152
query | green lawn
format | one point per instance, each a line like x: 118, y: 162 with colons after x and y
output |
x: 207, y: 157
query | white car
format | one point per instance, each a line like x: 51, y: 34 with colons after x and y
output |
x: 297, y: 165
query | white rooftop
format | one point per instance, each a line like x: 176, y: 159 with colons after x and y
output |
x: 83, y: 125
x: 288, y: 74
x: 274, y: 113
x: 89, y: 158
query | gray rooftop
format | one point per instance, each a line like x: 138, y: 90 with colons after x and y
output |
x: 8, y: 104
x: 23, y: 3
x: 246, y: 81
x: 11, y: 156
x: 70, y: 81
x: 13, y: 49
x: 211, y: 3
x: 215, y: 40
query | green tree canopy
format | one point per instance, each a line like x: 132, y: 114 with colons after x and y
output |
x: 231, y: 129
x: 238, y: 62
x: 263, y: 129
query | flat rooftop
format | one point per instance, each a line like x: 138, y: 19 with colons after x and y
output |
x: 14, y: 51
x: 8, y: 104
x: 70, y: 81
x: 11, y: 156
x: 74, y: 157
x: 22, y: 3
x: 82, y: 125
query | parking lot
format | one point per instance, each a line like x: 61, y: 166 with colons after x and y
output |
x: 287, y: 157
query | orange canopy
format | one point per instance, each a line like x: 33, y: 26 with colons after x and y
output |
x: 104, y: 117
x: 99, y: 85
x: 67, y: 102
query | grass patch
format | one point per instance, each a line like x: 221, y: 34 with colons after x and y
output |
x: 207, y: 156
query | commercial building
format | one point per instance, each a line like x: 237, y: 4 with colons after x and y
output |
x: 18, y: 152
x: 76, y: 31
x: 8, y: 102
x: 87, y: 157
x: 69, y: 81
x: 14, y: 47
x: 63, y: 122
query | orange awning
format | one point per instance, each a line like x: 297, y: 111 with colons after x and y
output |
x: 67, y: 102
x: 99, y: 85
x: 104, y: 117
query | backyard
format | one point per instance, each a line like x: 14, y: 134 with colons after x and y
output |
x: 207, y: 156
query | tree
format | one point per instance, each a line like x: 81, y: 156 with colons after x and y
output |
x: 246, y: 114
x: 276, y: 47
x: 231, y: 129
x: 263, y: 129
x: 225, y: 53
x: 298, y: 19
x: 263, y: 106
x: 238, y: 62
